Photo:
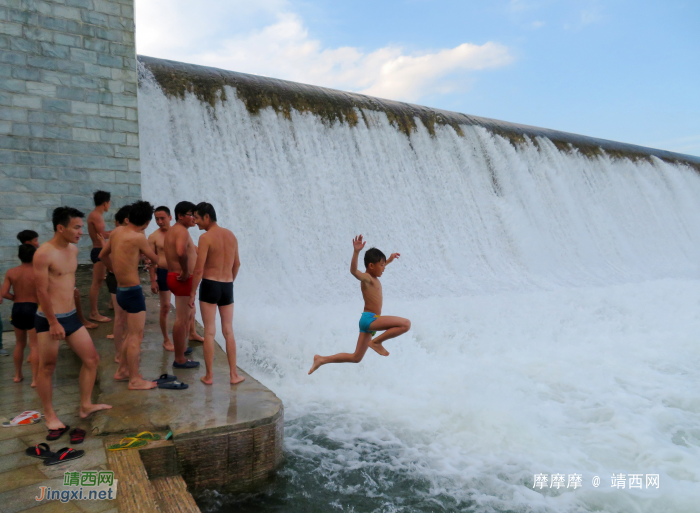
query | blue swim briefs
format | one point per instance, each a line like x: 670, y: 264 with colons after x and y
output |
x: 367, y: 319
x: 162, y: 279
x: 131, y: 299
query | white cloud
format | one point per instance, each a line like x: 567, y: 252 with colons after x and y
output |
x: 281, y: 47
x: 538, y: 24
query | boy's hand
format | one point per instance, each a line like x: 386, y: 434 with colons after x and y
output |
x: 393, y: 257
x: 358, y: 243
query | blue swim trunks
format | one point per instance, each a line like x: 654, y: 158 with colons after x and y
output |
x: 367, y: 319
x: 131, y: 299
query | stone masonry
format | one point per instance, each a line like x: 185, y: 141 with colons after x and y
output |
x: 68, y: 113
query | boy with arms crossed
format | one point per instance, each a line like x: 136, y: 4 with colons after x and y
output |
x: 217, y: 266
x: 21, y: 280
x: 125, y: 245
x: 55, y: 263
x: 371, y: 320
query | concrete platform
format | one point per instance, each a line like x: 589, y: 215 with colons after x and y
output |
x: 224, y: 437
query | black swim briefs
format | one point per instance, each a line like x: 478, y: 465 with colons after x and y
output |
x: 162, y: 279
x: 111, y: 282
x: 95, y: 255
x: 23, y: 315
x: 216, y: 292
x: 68, y: 320
x: 131, y: 299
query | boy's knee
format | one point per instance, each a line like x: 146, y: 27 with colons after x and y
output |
x: 47, y: 366
x: 356, y: 358
x: 92, y: 360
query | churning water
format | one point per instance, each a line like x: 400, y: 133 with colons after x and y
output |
x: 555, y: 304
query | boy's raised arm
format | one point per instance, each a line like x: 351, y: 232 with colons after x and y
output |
x: 392, y: 258
x: 357, y: 245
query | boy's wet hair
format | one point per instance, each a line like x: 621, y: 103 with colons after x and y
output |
x: 182, y: 208
x: 205, y: 208
x: 122, y: 214
x: 26, y: 235
x: 373, y: 256
x: 63, y: 215
x: 26, y: 253
x: 101, y: 197
x: 140, y: 213
x: 163, y: 208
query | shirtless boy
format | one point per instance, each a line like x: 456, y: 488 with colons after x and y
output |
x: 371, y: 320
x: 217, y: 266
x: 55, y: 263
x: 121, y: 218
x: 21, y: 280
x: 98, y: 234
x: 159, y: 271
x: 125, y: 246
x: 180, y: 256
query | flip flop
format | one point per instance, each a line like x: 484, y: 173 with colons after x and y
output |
x: 144, y: 435
x: 41, y: 451
x: 165, y: 378
x: 77, y: 436
x: 26, y: 418
x: 173, y: 385
x: 127, y: 443
x: 55, y: 434
x: 189, y: 364
x: 189, y: 350
x: 64, y: 455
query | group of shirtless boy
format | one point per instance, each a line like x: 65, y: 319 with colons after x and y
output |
x: 47, y: 309
x: 46, y: 305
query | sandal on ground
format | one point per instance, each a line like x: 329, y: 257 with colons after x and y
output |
x: 189, y: 364
x: 127, y: 443
x: 77, y: 436
x: 173, y: 385
x: 165, y: 378
x: 55, y: 434
x: 144, y: 435
x: 26, y: 418
x: 64, y: 455
x: 41, y: 451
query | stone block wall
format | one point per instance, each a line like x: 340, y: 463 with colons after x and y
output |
x: 68, y: 113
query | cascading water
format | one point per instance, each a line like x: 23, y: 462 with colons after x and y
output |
x: 554, y: 298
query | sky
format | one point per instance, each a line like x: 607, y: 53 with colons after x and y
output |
x: 622, y: 70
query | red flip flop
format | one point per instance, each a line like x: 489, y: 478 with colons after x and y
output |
x: 55, y: 434
x: 77, y: 436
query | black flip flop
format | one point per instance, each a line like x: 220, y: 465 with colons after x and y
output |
x: 189, y: 364
x: 77, y: 436
x: 165, y: 378
x: 173, y: 385
x: 64, y: 455
x: 55, y: 434
x: 41, y: 451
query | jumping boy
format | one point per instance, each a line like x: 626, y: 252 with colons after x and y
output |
x: 371, y: 320
x: 21, y: 280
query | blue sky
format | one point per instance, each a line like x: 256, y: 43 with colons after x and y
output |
x: 621, y: 70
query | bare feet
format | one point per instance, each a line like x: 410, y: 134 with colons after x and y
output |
x: 195, y: 337
x: 142, y: 384
x: 168, y: 346
x: 110, y: 336
x: 99, y: 318
x: 85, y: 412
x: 207, y: 380
x: 121, y: 377
x: 29, y: 359
x: 53, y: 423
x: 379, y: 348
x: 33, y: 385
x: 236, y: 379
x: 317, y: 363
x: 18, y: 378
x: 90, y: 325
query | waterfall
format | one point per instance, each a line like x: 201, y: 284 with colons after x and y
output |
x: 553, y: 292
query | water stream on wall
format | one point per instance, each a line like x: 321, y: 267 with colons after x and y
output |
x: 554, y: 300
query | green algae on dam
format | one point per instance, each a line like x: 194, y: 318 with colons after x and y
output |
x: 208, y: 84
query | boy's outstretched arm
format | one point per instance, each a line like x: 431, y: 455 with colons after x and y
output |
x: 393, y: 257
x: 357, y: 244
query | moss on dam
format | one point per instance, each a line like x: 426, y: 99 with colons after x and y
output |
x: 176, y: 79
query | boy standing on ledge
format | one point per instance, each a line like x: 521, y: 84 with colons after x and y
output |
x: 371, y: 320
x: 98, y: 233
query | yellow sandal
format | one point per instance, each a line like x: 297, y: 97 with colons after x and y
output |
x: 128, y: 443
x: 144, y: 435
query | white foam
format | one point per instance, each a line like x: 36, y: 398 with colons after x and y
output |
x: 555, y: 300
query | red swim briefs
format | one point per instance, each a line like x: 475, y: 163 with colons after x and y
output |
x: 179, y: 288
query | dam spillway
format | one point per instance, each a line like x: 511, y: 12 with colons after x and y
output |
x: 551, y: 280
